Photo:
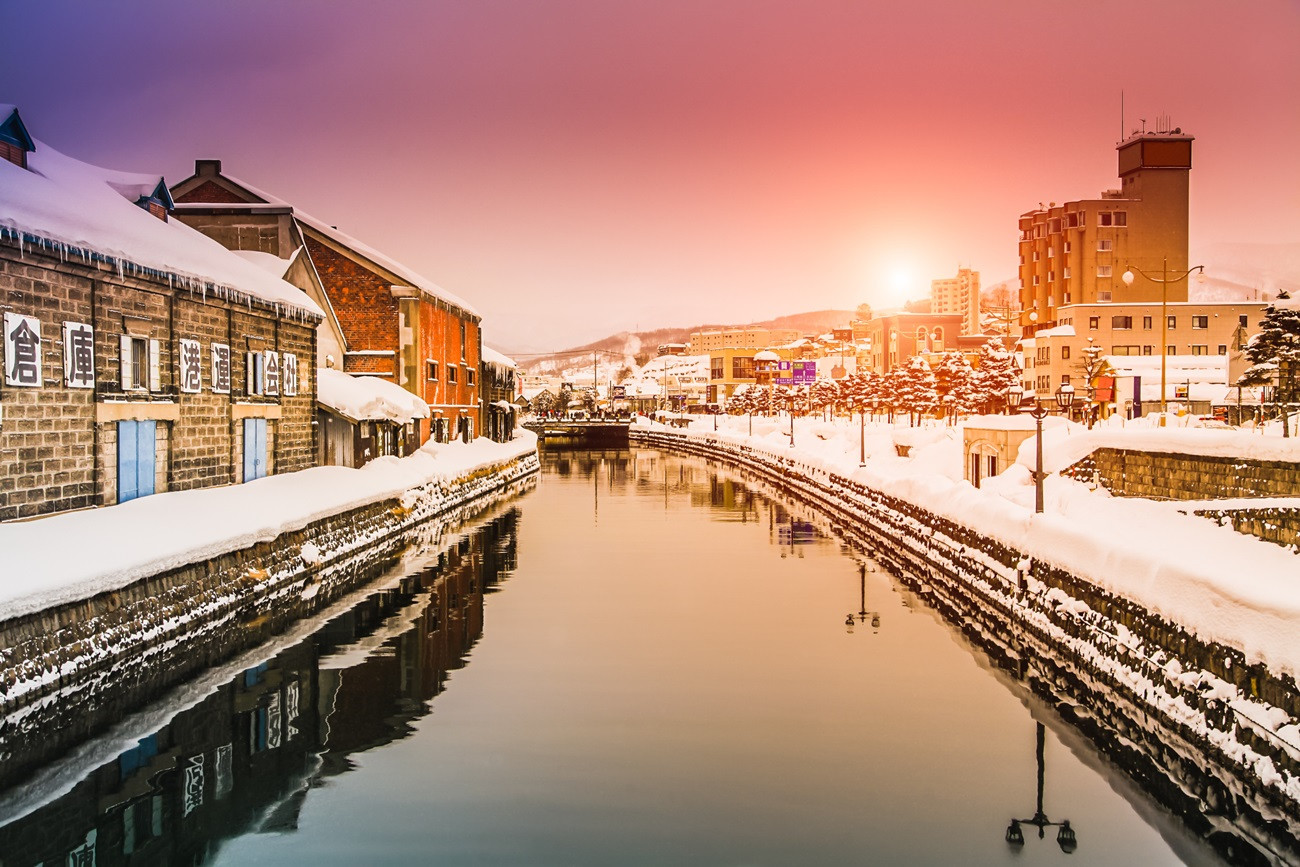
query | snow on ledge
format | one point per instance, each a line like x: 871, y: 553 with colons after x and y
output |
x: 70, y: 557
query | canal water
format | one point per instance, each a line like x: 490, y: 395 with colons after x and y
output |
x: 647, y: 659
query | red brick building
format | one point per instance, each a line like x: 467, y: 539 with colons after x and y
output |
x: 386, y: 320
x: 139, y: 356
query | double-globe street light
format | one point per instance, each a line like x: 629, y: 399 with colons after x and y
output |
x: 1064, y: 399
x: 1164, y: 282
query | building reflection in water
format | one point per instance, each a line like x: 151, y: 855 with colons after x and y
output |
x: 244, y: 759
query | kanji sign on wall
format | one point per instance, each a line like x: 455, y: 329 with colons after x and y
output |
x: 289, y: 375
x: 220, y: 368
x: 270, y: 372
x: 191, y: 360
x: 22, y: 350
x: 78, y: 355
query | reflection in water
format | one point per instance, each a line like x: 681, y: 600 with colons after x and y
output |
x: 668, y: 680
x: 244, y: 759
x: 1065, y: 837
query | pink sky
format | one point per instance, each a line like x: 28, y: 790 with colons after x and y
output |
x: 579, y: 167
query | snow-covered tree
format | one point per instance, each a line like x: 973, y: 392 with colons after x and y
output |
x: 1274, y: 354
x: 954, y: 384
x: 995, y: 376
x: 544, y: 403
x: 823, y: 393
x: 564, y: 398
x: 916, y: 392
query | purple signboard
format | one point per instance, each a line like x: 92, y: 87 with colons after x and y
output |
x: 783, y: 373
x: 805, y: 372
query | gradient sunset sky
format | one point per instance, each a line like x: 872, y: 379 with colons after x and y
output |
x: 579, y: 167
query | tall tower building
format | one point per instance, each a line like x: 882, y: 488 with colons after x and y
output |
x: 1075, y: 253
x: 961, y: 295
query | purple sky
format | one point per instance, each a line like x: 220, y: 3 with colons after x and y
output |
x: 578, y: 167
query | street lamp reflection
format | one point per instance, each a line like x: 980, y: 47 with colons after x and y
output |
x: 1065, y: 837
x: 862, y: 615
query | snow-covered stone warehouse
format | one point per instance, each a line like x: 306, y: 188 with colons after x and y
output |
x: 139, y: 356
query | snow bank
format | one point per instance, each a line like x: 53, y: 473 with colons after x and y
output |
x: 65, y: 558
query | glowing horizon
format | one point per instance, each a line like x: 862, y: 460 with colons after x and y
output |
x: 581, y: 168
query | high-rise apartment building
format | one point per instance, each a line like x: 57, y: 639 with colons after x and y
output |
x: 1076, y: 253
x: 961, y: 295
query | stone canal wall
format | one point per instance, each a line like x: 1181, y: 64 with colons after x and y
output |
x: 1211, y: 735
x: 92, y: 661
x: 1167, y: 476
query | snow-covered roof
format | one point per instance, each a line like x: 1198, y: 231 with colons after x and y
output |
x: 396, y: 268
x: 367, y: 398
x: 428, y: 287
x: 766, y: 355
x: 491, y: 356
x: 268, y: 262
x: 80, y: 210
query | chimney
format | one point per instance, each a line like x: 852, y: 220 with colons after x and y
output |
x: 207, y: 168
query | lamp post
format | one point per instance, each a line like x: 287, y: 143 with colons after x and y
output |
x: 862, y: 435
x: 1064, y: 399
x: 792, y: 398
x: 1164, y: 282
x: 1065, y: 838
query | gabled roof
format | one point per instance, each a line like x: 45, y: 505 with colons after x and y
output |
x: 400, y: 272
x: 83, y: 211
x: 12, y: 129
x: 141, y: 188
x: 370, y: 257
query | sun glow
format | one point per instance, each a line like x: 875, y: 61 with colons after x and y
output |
x: 900, y: 281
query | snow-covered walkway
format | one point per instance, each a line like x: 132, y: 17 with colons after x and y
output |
x: 68, y: 557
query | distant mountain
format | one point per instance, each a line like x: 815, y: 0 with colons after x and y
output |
x: 635, y: 347
x: 1254, y: 270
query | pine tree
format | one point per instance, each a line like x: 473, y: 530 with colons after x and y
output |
x: 544, y: 403
x: 953, y: 383
x: 995, y: 376
x: 1274, y: 354
x: 917, y: 395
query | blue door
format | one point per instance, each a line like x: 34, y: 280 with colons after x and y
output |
x: 254, y: 448
x: 136, y: 451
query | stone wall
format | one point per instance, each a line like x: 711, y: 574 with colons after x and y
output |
x: 1191, y: 717
x: 70, y: 671
x: 1167, y: 476
x: 1272, y: 523
x: 58, y: 443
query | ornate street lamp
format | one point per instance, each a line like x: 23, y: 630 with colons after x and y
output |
x: 1064, y: 400
x: 1164, y: 282
x: 1065, y: 837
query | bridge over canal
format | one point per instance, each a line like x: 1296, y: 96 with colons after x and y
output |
x: 572, y: 431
